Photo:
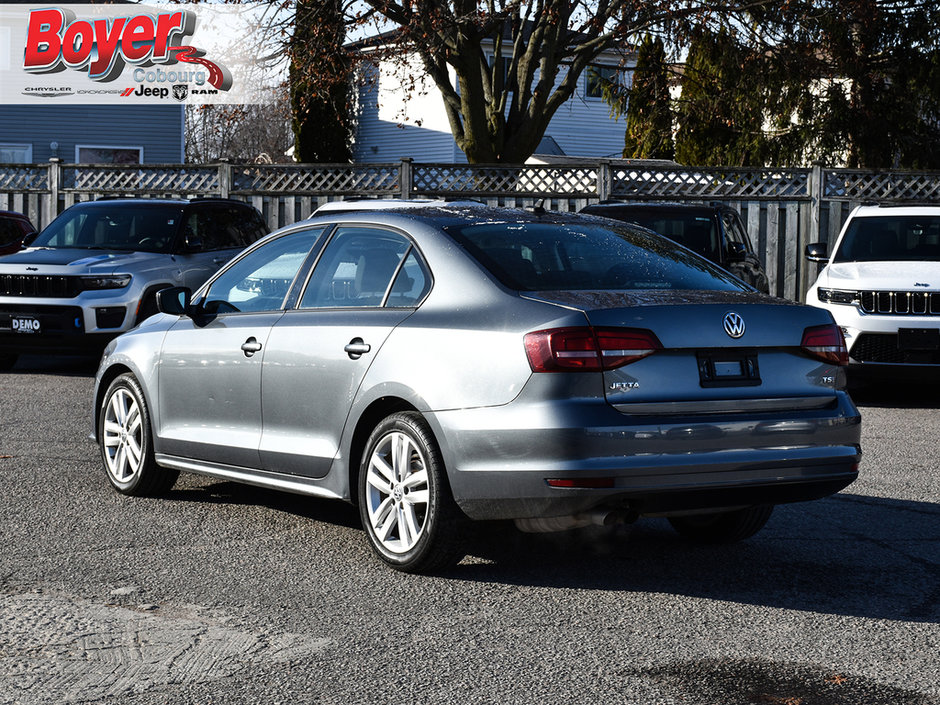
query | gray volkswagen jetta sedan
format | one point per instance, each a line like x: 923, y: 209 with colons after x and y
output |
x: 439, y: 364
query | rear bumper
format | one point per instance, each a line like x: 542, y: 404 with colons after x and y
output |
x: 646, y: 465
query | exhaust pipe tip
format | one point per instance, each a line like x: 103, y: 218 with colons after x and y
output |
x: 597, y: 517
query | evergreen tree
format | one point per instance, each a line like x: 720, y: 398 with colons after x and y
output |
x: 649, y: 114
x: 319, y: 83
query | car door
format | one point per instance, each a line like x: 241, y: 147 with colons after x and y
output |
x: 367, y: 281
x: 209, y: 377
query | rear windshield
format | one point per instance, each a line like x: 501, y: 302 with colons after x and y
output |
x: 573, y: 256
x: 114, y: 226
x: 891, y: 239
x: 697, y: 232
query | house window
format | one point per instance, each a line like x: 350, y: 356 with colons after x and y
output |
x: 16, y: 153
x: 599, y: 76
x: 101, y: 154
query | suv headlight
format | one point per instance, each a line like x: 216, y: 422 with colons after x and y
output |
x: 837, y: 296
x: 113, y: 281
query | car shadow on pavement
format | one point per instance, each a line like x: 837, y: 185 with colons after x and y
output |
x: 224, y: 492
x: 69, y: 366
x: 846, y: 555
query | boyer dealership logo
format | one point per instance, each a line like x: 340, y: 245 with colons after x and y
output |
x: 102, y: 47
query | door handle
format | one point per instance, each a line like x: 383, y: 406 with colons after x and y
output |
x: 219, y: 261
x: 356, y: 348
x: 251, y: 346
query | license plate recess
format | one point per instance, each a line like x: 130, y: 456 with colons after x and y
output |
x: 719, y: 368
x: 918, y: 338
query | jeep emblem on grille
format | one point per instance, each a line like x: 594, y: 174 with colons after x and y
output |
x: 734, y: 324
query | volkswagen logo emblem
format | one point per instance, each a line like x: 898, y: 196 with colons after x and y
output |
x: 734, y: 324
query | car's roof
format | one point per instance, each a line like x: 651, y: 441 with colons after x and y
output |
x: 144, y: 202
x: 372, y: 204
x: 892, y: 211
x: 14, y: 214
x: 657, y: 207
x: 456, y: 214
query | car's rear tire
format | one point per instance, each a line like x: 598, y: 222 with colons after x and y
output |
x: 126, y: 441
x: 723, y: 527
x: 405, y: 501
x: 7, y: 360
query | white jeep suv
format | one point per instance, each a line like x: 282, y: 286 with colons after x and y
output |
x: 882, y: 285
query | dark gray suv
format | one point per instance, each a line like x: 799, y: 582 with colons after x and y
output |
x: 94, y: 272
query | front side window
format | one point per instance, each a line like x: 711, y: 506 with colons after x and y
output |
x: 114, y: 226
x: 582, y: 256
x: 891, y: 239
x: 261, y: 280
x: 357, y: 269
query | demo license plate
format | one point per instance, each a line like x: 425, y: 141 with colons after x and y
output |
x: 27, y: 325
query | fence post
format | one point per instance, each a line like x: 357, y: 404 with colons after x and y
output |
x: 404, y: 177
x: 225, y: 178
x: 603, y: 180
x: 51, y: 207
x: 815, y: 187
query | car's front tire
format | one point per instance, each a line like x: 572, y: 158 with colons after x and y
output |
x: 723, y: 527
x: 407, y: 509
x: 126, y: 441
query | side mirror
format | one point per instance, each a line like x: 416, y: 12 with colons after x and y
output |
x: 736, y: 251
x: 27, y: 240
x: 175, y: 300
x: 817, y: 252
x: 193, y: 243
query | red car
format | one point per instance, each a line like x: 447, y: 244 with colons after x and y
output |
x: 15, y: 232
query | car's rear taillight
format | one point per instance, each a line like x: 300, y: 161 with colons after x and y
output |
x: 826, y: 343
x: 586, y: 348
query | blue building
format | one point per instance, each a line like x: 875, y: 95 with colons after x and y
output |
x: 92, y: 134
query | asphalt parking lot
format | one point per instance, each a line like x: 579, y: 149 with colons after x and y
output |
x: 222, y: 593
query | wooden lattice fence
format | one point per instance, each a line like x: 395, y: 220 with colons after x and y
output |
x: 784, y: 209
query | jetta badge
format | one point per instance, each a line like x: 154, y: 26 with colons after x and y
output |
x: 734, y: 324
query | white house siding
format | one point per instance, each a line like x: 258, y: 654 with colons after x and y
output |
x: 393, y: 125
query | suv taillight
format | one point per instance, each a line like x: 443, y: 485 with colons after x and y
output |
x: 826, y: 343
x: 585, y: 348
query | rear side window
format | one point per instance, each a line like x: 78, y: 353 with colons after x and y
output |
x: 362, y: 267
x: 585, y: 256
x: 220, y: 227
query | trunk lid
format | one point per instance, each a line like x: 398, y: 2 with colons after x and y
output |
x: 702, y: 368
